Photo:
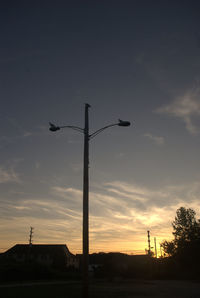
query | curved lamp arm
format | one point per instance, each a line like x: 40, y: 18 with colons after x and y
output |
x: 53, y: 127
x: 73, y: 127
x: 94, y: 134
x: 120, y: 123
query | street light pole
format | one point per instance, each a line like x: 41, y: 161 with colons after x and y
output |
x: 86, y: 205
x: 87, y: 138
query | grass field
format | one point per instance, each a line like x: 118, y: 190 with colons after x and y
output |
x: 125, y: 289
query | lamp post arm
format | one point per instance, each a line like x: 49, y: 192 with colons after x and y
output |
x: 73, y: 127
x: 94, y: 134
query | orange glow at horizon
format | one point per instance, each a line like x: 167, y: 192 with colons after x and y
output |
x: 116, y: 225
x: 137, y: 246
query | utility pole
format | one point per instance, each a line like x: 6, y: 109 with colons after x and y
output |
x: 31, y: 236
x: 87, y: 138
x: 86, y: 206
x: 149, y: 243
x: 155, y: 247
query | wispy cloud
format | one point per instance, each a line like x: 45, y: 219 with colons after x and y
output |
x: 37, y: 165
x: 27, y: 134
x: 77, y: 167
x: 8, y: 175
x: 119, y: 208
x: 19, y: 132
x: 66, y: 192
x: 120, y: 214
x: 157, y: 140
x: 185, y: 107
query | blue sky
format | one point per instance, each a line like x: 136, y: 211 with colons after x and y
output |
x: 133, y: 60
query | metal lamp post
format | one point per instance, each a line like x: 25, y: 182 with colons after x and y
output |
x: 87, y: 138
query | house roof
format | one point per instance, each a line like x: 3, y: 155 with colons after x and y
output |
x: 35, y: 249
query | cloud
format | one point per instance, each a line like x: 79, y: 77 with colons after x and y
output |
x: 8, y: 175
x: 27, y: 134
x: 70, y: 196
x: 77, y: 167
x: 122, y: 212
x: 185, y: 107
x: 120, y: 215
x: 20, y: 133
x: 37, y: 165
x: 157, y: 140
x: 66, y: 192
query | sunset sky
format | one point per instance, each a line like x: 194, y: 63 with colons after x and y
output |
x: 135, y: 60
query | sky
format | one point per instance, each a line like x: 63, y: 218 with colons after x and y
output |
x: 134, y: 60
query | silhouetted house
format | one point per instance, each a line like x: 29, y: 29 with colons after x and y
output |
x: 52, y: 255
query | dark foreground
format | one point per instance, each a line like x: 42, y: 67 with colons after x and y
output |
x: 118, y: 289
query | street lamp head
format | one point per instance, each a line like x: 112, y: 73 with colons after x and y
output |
x: 124, y: 123
x: 53, y: 127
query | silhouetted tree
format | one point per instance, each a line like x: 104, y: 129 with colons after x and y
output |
x: 186, y: 227
x: 186, y: 231
x: 168, y: 247
x: 184, y: 248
